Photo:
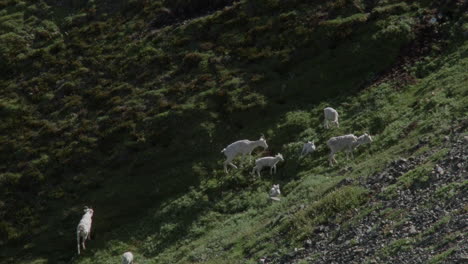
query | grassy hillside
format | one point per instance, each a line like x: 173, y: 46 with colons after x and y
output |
x: 125, y: 105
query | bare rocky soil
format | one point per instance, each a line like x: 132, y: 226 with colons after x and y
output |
x: 417, y: 224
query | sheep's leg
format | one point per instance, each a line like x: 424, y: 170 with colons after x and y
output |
x: 347, y: 154
x: 78, y: 242
x: 325, y: 123
x: 229, y: 162
x: 337, y: 124
x: 253, y: 171
x: 331, y: 159
x: 271, y: 170
x: 274, y: 168
x: 83, y: 243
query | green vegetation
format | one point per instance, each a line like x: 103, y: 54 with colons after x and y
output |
x: 120, y: 106
x: 396, y: 246
x: 442, y: 256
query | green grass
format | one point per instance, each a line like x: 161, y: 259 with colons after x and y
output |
x: 439, y: 258
x: 404, y: 244
x: 137, y: 118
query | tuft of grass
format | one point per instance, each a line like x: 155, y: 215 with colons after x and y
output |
x: 417, y: 177
x: 341, y: 201
x: 441, y: 257
x: 404, y: 244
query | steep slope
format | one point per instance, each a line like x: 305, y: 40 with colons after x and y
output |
x: 125, y: 106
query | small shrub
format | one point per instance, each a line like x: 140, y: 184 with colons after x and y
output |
x: 294, y: 123
x: 395, y: 31
x: 397, y: 8
x: 440, y: 258
x: 191, y: 60
x: 325, y: 209
x: 404, y: 244
x: 9, y: 178
x: 416, y: 178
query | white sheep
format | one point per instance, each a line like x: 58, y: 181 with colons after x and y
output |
x: 267, y: 162
x: 345, y: 143
x: 364, y: 139
x: 331, y: 116
x: 83, y: 229
x: 275, y: 191
x: 308, y: 147
x: 127, y: 258
x: 241, y: 147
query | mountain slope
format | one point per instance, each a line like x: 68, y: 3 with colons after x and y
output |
x: 125, y: 106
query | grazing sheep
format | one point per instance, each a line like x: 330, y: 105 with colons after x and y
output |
x: 364, y: 139
x: 336, y: 144
x: 308, y: 148
x: 345, y: 143
x: 331, y: 116
x: 83, y: 230
x: 267, y: 162
x: 127, y: 258
x: 241, y: 147
x: 275, y: 192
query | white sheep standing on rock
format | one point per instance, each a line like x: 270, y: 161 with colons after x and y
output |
x: 275, y: 192
x: 83, y: 230
x: 308, y: 147
x: 267, y: 162
x: 331, y: 116
x: 345, y: 143
x: 241, y: 147
x: 127, y: 258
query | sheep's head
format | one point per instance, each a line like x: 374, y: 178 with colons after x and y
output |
x: 366, y: 138
x: 88, y: 210
x: 311, y: 145
x: 275, y: 188
x: 280, y: 156
x: 263, y: 142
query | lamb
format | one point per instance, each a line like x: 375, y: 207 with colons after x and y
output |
x: 275, y: 192
x: 127, y: 258
x: 308, y: 148
x: 267, y: 162
x: 83, y: 230
x: 345, y: 143
x: 331, y: 116
x: 241, y: 147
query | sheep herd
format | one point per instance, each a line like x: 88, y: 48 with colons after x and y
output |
x: 344, y: 143
x: 245, y: 147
